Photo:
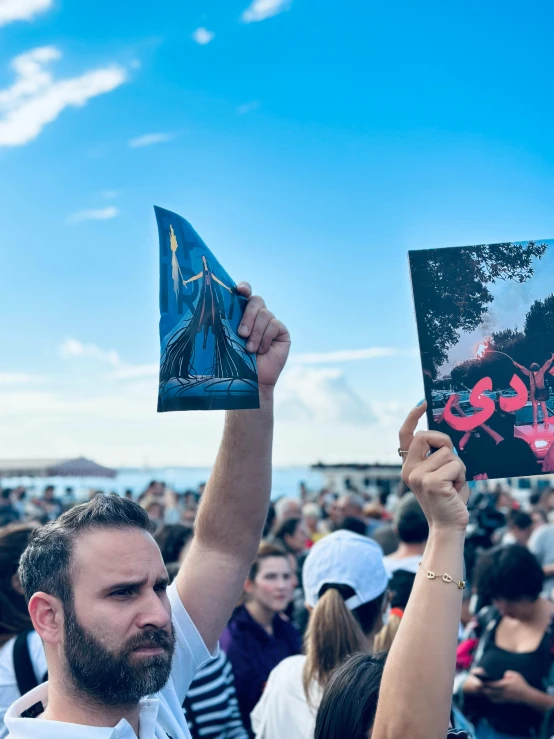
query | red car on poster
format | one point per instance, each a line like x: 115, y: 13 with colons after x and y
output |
x: 541, y: 438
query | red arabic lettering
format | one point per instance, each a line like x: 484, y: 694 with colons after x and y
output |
x: 477, y: 400
x: 518, y: 401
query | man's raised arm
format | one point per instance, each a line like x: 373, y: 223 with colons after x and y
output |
x: 235, y: 502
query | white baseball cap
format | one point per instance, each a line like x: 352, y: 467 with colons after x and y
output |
x: 345, y: 558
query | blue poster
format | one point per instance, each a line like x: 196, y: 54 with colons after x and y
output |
x: 204, y: 363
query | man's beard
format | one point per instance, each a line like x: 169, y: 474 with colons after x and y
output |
x: 116, y: 679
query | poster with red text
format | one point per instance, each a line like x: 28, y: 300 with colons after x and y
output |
x: 485, y: 319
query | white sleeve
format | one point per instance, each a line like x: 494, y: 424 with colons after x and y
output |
x: 536, y: 544
x: 190, y: 651
x: 9, y: 691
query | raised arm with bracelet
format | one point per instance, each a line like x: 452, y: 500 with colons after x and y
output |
x: 416, y: 690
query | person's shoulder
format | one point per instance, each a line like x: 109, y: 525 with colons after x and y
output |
x: 240, y: 624
x: 289, y: 667
x: 238, y: 635
x: 542, y: 534
x: 6, y: 655
x: 191, y: 652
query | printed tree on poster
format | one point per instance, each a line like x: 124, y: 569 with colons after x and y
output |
x: 451, y: 290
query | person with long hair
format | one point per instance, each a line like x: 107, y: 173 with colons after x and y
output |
x: 17, y: 636
x: 345, y: 584
x: 259, y: 635
x: 349, y: 702
x: 508, y: 688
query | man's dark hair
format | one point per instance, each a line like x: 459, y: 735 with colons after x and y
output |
x: 46, y: 563
x: 287, y: 528
x: 535, y: 367
x: 349, y: 702
x: 6, y: 493
x: 509, y: 573
x: 535, y: 499
x: 520, y: 520
x: 411, y: 523
x: 400, y: 587
x: 354, y: 524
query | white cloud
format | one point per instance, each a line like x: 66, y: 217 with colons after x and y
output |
x: 202, y: 36
x: 101, y: 407
x: 75, y: 348
x: 350, y: 355
x: 150, y: 138
x: 21, y: 10
x: 136, y: 371
x: 36, y: 99
x: 320, y: 395
x: 94, y: 214
x: 248, y: 107
x: 259, y: 10
x: 18, y: 378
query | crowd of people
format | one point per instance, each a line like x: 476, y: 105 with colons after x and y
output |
x: 322, y: 603
x: 420, y: 612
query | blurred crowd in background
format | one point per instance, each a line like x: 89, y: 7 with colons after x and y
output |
x: 277, y: 636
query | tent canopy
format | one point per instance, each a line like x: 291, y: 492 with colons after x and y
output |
x: 79, y: 467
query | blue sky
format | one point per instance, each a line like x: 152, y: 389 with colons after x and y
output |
x: 311, y: 144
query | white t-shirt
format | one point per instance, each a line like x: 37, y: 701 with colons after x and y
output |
x: 283, y: 710
x: 9, y: 692
x: 408, y: 564
x: 161, y: 716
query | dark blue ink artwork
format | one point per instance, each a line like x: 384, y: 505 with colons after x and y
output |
x: 204, y: 363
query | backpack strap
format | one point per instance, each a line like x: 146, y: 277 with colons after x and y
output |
x: 24, y: 672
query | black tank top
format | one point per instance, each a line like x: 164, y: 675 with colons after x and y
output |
x: 515, y: 718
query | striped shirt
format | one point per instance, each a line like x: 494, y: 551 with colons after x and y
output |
x: 211, y: 707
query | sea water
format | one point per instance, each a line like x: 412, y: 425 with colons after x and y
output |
x: 286, y: 481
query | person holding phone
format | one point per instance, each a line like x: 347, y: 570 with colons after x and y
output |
x: 510, y: 682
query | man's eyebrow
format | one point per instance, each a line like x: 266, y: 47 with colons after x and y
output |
x: 129, y: 585
x: 164, y: 581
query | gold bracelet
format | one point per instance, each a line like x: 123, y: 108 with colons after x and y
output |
x: 445, y: 578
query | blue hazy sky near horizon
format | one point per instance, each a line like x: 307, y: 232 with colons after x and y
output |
x: 310, y: 150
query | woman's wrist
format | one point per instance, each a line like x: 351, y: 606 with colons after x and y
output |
x: 444, y: 553
x: 447, y: 535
